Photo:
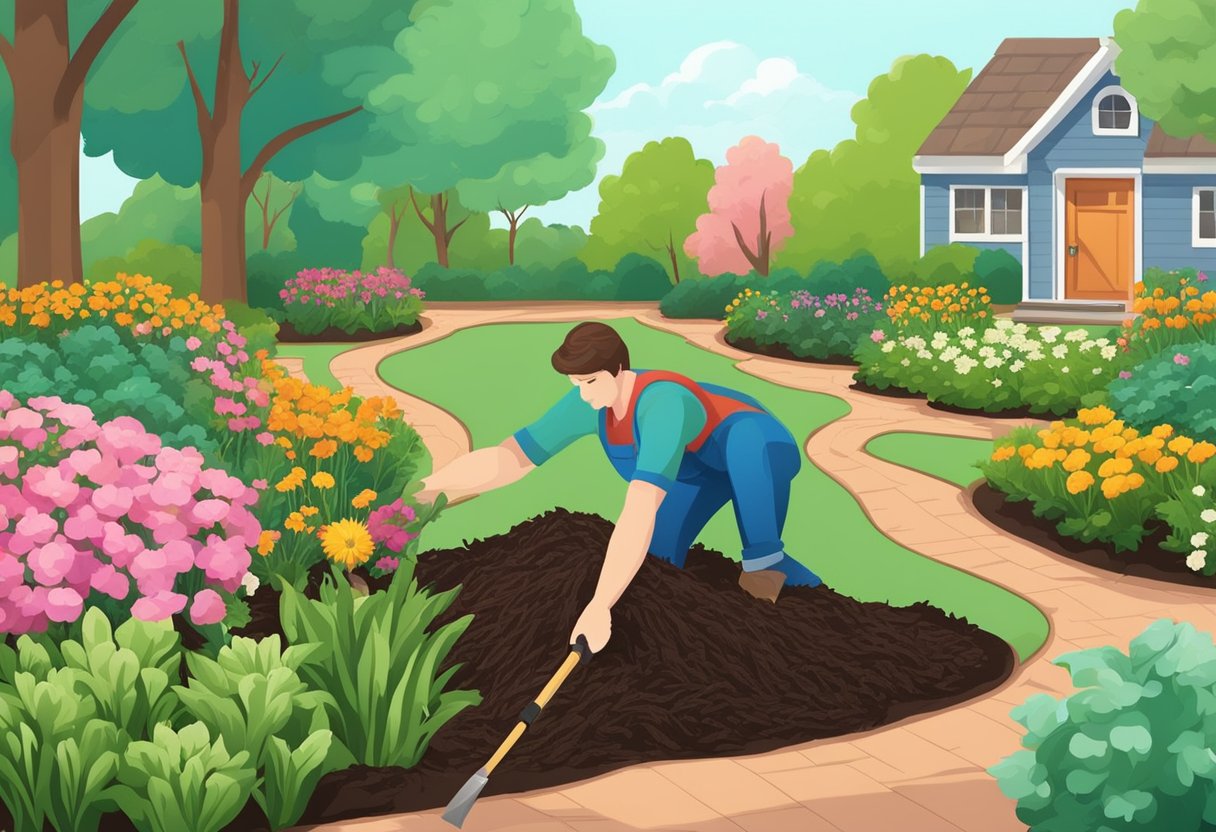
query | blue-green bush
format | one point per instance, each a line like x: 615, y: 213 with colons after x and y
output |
x: 634, y: 278
x: 1176, y: 387
x: 1130, y: 751
x: 944, y: 264
x: 1000, y: 273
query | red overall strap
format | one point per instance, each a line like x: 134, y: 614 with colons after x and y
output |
x: 717, y: 407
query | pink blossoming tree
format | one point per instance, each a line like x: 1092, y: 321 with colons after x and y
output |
x: 749, y: 216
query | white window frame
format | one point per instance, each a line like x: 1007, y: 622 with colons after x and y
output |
x: 988, y: 236
x: 1133, y: 126
x: 1196, y: 240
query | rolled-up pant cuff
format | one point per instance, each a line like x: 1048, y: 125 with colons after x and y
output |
x: 762, y: 562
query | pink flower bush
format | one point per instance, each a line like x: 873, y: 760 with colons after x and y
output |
x: 1181, y: 359
x: 387, y: 525
x: 89, y: 510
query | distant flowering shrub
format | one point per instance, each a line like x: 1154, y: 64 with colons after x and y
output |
x: 377, y: 301
x: 103, y: 514
x: 808, y: 325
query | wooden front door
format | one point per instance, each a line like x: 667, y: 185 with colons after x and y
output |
x: 1099, y: 235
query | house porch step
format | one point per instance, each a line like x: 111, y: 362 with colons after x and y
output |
x: 1112, y: 313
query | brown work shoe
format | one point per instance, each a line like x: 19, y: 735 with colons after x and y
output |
x: 764, y: 584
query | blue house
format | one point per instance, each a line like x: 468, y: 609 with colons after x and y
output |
x: 1047, y: 156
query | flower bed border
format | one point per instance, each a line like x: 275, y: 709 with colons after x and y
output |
x: 1023, y: 412
x: 331, y: 334
x: 1018, y: 519
x: 782, y: 351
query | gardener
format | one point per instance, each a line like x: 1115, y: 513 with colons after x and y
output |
x: 686, y: 448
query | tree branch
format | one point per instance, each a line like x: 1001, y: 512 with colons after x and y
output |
x: 256, y: 199
x: 287, y: 205
x: 200, y: 103
x: 8, y: 55
x: 86, y: 54
x: 451, y: 231
x: 430, y: 226
x: 522, y: 211
x: 265, y: 78
x: 751, y: 258
x: 250, y: 178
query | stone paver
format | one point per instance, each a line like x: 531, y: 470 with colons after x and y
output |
x: 926, y: 772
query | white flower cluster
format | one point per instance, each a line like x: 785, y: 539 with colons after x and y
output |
x: 999, y: 345
x: 1197, y: 559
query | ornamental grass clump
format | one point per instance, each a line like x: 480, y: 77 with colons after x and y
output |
x: 316, y: 299
x: 380, y: 658
x: 810, y: 326
x: 1103, y: 480
x: 104, y: 515
x: 1131, y: 749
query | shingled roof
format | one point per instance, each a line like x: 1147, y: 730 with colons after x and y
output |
x: 1009, y: 96
x: 1162, y: 146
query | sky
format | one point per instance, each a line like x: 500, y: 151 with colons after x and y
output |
x: 715, y: 71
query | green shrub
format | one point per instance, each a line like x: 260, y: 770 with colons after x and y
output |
x: 1177, y: 388
x: 808, y: 325
x: 183, y: 780
x: 940, y: 265
x: 1131, y: 750
x: 115, y: 375
x: 252, y: 697
x: 640, y: 278
x: 259, y: 327
x: 178, y: 266
x: 1000, y: 273
x: 380, y: 664
x: 845, y: 278
x: 266, y: 275
x: 634, y: 278
x: 69, y: 707
x: 379, y: 301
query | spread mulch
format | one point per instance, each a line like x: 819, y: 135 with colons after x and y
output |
x: 289, y: 335
x: 782, y: 351
x: 1149, y: 561
x: 695, y: 668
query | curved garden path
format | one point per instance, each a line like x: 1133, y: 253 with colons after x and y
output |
x: 923, y: 774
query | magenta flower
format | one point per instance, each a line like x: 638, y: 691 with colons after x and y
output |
x: 8, y: 462
x: 1124, y: 374
x: 388, y: 564
x: 109, y: 581
x: 260, y: 485
x: 52, y: 561
x: 877, y: 335
x: 159, y: 606
x: 193, y: 343
x: 1202, y: 278
x: 265, y: 438
x: 1181, y: 359
x: 64, y: 604
x: 208, y: 608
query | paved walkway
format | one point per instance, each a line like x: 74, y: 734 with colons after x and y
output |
x: 924, y: 774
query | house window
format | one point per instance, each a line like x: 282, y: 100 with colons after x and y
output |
x: 1115, y: 113
x: 1203, y: 222
x: 993, y: 214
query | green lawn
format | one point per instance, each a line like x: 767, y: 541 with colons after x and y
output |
x: 951, y: 458
x: 498, y: 378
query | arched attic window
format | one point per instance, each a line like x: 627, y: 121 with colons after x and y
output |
x: 1115, y: 113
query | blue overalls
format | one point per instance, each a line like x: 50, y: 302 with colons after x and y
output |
x: 746, y: 456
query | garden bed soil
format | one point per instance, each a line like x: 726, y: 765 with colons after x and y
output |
x: 695, y: 667
x: 1149, y: 561
x: 289, y: 335
x: 782, y: 351
x: 1023, y: 412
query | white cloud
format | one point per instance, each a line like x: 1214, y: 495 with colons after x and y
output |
x: 721, y: 92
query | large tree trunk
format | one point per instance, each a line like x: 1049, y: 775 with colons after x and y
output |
x: 48, y: 95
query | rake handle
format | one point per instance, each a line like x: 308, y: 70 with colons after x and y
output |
x: 579, y: 653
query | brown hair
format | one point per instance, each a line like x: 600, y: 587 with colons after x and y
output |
x: 590, y: 347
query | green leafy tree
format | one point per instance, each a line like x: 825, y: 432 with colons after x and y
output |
x: 651, y: 207
x: 218, y: 92
x: 520, y: 185
x: 47, y: 52
x: 542, y: 246
x: 1167, y: 60
x: 482, y: 85
x: 864, y: 195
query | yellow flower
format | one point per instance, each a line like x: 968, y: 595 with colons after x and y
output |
x: 321, y: 479
x: 1163, y: 431
x: 1095, y: 415
x: 1149, y: 456
x: 364, y: 498
x: 1134, y: 481
x: 1076, y: 460
x: 324, y: 449
x: 1114, y: 486
x: 1201, y: 452
x: 1181, y: 444
x: 292, y: 481
x: 308, y: 511
x: 363, y: 453
x: 1078, y: 481
x: 266, y: 542
x: 1166, y: 464
x: 1003, y: 453
x: 294, y: 522
x: 1114, y: 466
x: 347, y: 542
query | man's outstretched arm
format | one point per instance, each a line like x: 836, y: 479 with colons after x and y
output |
x: 477, y: 472
x: 627, y: 549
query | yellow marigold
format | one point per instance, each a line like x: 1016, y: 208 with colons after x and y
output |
x: 1078, y: 481
x: 364, y: 453
x: 364, y: 498
x: 308, y: 511
x: 283, y: 442
x: 1095, y: 415
x: 1114, y: 486
x: 1026, y: 450
x: 1041, y: 458
x: 1114, y: 466
x: 1181, y: 444
x: 1050, y: 438
x: 324, y: 449
x: 323, y: 479
x: 1134, y: 481
x: 1149, y: 456
x: 266, y: 542
x: 1201, y: 452
x: 292, y: 481
x: 347, y: 542
x: 1003, y: 453
x: 1166, y: 464
x: 1076, y: 460
x: 294, y: 522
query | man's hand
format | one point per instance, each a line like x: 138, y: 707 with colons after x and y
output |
x: 596, y: 624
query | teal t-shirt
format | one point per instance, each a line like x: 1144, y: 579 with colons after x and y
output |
x: 668, y: 418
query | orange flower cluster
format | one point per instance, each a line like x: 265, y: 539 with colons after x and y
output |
x: 129, y: 300
x: 946, y: 304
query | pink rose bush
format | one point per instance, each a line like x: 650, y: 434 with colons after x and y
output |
x: 94, y: 511
x: 381, y: 300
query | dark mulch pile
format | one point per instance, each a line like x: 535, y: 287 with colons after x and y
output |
x: 695, y: 668
x: 782, y: 351
x: 1023, y: 412
x: 1149, y: 561
x: 289, y: 335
